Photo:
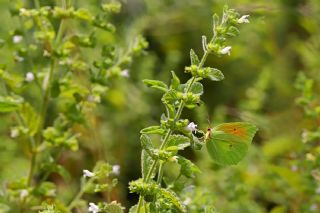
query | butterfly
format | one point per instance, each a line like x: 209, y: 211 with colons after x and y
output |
x: 228, y: 143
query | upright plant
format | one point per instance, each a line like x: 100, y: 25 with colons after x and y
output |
x: 60, y: 73
x: 226, y: 143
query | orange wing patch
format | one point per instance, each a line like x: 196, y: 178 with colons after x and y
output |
x: 234, y: 130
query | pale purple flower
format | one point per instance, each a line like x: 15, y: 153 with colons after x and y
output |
x: 192, y: 127
x: 17, y: 39
x: 93, y: 208
x: 244, y: 19
x: 29, y: 77
x: 87, y: 173
x: 125, y: 73
x: 226, y: 50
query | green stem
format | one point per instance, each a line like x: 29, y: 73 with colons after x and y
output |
x: 165, y: 140
x: 77, y: 197
x: 37, y: 4
x: 45, y: 102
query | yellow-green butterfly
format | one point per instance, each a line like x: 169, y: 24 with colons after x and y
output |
x: 228, y: 143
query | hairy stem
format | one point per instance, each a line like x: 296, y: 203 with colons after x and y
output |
x: 45, y: 103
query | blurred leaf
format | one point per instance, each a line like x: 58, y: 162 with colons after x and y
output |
x: 188, y: 168
x: 30, y: 118
x: 9, y: 104
x: 153, y: 130
x: 156, y: 84
x: 215, y: 74
x: 194, y: 58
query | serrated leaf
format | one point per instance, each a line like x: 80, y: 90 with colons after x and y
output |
x: 170, y: 97
x: 146, y: 162
x: 30, y: 118
x: 188, y: 168
x: 175, y: 81
x: 215, y: 75
x: 153, y: 130
x: 146, y: 142
x: 113, y: 207
x: 196, y: 88
x: 172, y: 198
x: 9, y: 104
x: 194, y: 58
x: 178, y: 141
x: 156, y: 84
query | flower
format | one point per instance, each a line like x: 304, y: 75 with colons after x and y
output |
x: 93, y: 208
x: 244, y: 19
x: 29, y: 77
x: 192, y: 127
x: 125, y: 73
x: 17, y: 39
x: 116, y: 169
x: 14, y: 133
x: 87, y: 173
x: 225, y: 50
x: 23, y: 193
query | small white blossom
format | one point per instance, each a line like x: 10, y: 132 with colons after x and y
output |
x: 23, y: 11
x: 244, y: 19
x: 226, y: 50
x: 174, y: 159
x: 93, y: 208
x: 125, y: 73
x: 192, y: 127
x: 187, y: 201
x: 14, y: 133
x: 17, y: 39
x: 87, y: 173
x: 29, y: 77
x: 23, y: 193
x: 116, y: 169
x: 46, y: 53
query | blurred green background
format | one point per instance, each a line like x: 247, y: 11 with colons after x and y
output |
x: 281, y: 40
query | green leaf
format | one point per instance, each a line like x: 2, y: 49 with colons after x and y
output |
x: 228, y: 143
x: 146, y: 162
x: 170, y: 97
x: 175, y: 81
x: 178, y: 141
x: 196, y: 88
x: 172, y: 198
x: 188, y: 168
x: 113, y: 207
x: 9, y: 104
x: 156, y: 84
x: 146, y: 142
x: 153, y: 130
x: 30, y: 118
x: 194, y: 58
x: 215, y: 74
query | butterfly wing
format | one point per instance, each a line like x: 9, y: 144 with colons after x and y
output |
x: 228, y: 143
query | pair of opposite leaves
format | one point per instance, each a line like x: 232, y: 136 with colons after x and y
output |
x: 228, y: 143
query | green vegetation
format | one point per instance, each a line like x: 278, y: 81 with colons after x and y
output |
x: 83, y: 128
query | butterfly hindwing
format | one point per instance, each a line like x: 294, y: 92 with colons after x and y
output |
x: 228, y: 143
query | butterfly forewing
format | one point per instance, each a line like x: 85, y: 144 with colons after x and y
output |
x: 228, y: 143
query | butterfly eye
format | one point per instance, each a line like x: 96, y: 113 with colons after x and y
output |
x: 209, y: 129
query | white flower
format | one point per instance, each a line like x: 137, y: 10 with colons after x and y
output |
x: 87, y: 173
x: 46, y: 53
x: 226, y: 50
x: 313, y: 207
x: 17, y: 39
x: 22, y: 11
x: 93, y: 208
x: 23, y: 193
x: 318, y: 190
x: 125, y: 73
x: 174, y: 159
x: 244, y: 19
x: 192, y: 127
x: 14, y: 133
x: 187, y: 201
x: 29, y: 77
x: 116, y: 169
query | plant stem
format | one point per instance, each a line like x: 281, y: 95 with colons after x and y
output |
x: 166, y: 138
x: 74, y: 200
x: 45, y: 103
